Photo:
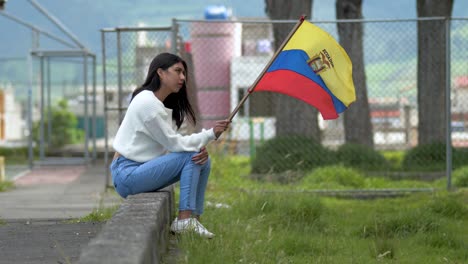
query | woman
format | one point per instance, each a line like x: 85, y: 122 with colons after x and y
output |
x: 151, y: 154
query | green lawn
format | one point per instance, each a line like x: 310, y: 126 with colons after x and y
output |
x: 266, y: 223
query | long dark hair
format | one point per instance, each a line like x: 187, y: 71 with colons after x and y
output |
x: 178, y: 102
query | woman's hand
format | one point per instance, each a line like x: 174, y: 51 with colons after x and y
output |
x: 220, y: 127
x: 201, y: 158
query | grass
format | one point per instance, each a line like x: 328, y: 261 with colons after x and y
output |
x: 98, y: 215
x: 394, y: 157
x: 299, y: 228
x: 6, y: 185
x: 269, y: 223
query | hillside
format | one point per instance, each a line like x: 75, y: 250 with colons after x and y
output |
x: 85, y: 18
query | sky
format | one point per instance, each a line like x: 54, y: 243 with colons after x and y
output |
x: 85, y: 18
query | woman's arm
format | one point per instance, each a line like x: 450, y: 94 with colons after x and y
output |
x: 161, y: 130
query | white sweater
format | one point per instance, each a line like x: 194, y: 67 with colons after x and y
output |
x: 147, y: 131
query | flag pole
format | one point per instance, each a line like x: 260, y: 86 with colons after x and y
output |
x: 250, y: 90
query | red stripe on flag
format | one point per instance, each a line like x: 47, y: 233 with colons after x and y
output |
x: 300, y: 87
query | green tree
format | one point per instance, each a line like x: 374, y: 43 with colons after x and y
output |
x: 64, y: 127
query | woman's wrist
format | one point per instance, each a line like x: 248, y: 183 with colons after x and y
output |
x: 214, y: 134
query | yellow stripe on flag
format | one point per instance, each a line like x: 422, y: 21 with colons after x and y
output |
x: 336, y: 67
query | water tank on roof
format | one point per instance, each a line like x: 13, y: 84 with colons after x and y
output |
x: 216, y: 12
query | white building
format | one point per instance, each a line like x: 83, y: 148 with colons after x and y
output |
x: 244, y: 72
x: 12, y: 124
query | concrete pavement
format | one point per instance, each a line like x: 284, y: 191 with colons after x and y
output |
x: 44, y: 241
x: 57, y: 192
x: 33, y: 226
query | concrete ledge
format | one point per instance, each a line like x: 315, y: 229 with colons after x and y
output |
x: 137, y: 233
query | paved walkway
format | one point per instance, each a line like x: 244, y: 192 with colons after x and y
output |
x: 44, y: 241
x: 57, y: 192
x: 33, y: 226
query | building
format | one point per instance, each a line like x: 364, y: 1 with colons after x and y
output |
x: 460, y: 95
x: 13, y: 127
x: 256, y: 116
x: 460, y: 111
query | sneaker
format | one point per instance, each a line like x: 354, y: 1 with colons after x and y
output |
x: 200, y: 229
x: 190, y: 225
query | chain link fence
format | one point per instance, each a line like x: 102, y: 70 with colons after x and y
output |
x: 126, y: 54
x: 225, y: 58
x: 38, y: 73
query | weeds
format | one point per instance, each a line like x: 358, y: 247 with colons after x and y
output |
x: 444, y: 240
x: 460, y: 177
x: 448, y: 205
x: 401, y: 225
x: 6, y: 185
x: 101, y: 214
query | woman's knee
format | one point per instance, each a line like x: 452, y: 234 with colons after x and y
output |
x: 187, y: 154
x: 119, y: 187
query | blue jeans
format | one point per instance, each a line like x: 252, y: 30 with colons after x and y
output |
x: 131, y: 177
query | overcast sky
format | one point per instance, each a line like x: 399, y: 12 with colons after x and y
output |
x: 86, y: 17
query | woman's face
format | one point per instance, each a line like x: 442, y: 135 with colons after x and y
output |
x: 173, y: 78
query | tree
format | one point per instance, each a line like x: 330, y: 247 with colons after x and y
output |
x: 293, y: 117
x: 64, y: 127
x: 432, y: 70
x: 357, y: 122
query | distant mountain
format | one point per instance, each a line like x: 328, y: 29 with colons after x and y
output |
x: 85, y: 19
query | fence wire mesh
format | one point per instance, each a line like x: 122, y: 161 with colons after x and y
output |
x: 127, y: 55
x: 287, y: 141
x: 23, y: 71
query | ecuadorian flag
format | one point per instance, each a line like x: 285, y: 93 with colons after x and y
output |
x: 314, y: 68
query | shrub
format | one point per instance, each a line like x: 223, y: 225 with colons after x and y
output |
x: 332, y: 177
x: 425, y: 157
x: 432, y: 156
x: 460, y: 157
x: 64, y: 127
x: 14, y: 152
x: 290, y: 153
x: 361, y: 156
x: 460, y: 177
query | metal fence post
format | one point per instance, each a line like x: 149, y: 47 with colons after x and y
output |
x: 119, y: 74
x: 49, y: 106
x: 94, y: 109
x: 448, y: 104
x: 86, y: 114
x: 252, y: 138
x: 174, y: 36
x: 104, y: 87
x: 30, y: 105
x: 41, y: 125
